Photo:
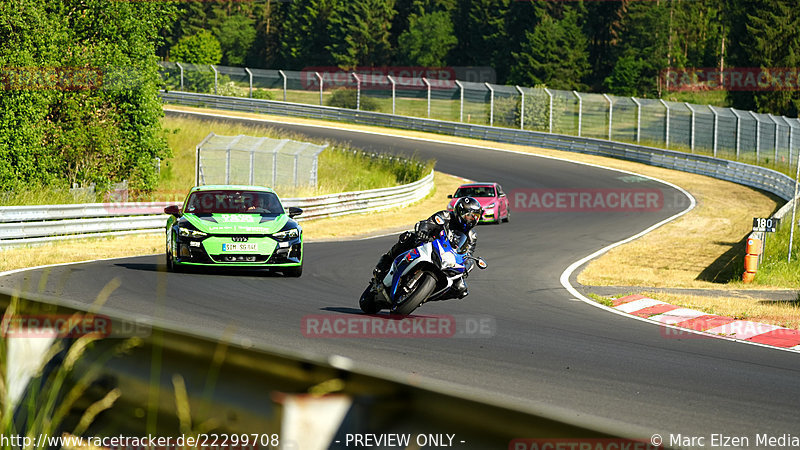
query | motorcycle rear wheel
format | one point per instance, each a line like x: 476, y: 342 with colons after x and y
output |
x: 425, y: 286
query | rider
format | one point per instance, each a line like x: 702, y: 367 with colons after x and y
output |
x: 464, y: 216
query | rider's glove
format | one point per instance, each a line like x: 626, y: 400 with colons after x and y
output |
x: 424, y: 232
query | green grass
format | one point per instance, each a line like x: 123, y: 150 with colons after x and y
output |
x: 364, y: 171
x: 42, y: 195
x: 602, y: 300
x: 775, y: 269
x: 713, y: 98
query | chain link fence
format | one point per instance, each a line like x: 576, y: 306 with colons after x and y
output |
x: 256, y: 161
x: 723, y: 132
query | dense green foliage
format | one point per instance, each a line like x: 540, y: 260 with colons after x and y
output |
x: 102, y: 125
x: 621, y: 47
x: 348, y: 98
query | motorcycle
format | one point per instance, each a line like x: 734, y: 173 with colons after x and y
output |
x: 423, y: 274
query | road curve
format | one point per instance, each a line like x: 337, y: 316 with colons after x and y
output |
x: 547, y: 348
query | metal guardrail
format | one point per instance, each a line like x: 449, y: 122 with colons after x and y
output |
x: 249, y: 396
x: 742, y: 173
x: 23, y: 225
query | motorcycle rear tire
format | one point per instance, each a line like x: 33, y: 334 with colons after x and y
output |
x: 367, y: 301
x: 425, y: 286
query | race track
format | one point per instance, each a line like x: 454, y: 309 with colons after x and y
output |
x: 547, y: 348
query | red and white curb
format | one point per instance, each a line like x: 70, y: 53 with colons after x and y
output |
x: 698, y: 321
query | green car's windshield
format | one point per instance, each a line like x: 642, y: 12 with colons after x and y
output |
x: 475, y: 191
x: 234, y: 202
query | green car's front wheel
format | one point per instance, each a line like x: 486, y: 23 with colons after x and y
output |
x: 293, y: 272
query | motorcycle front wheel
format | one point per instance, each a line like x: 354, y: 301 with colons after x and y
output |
x: 425, y: 286
x: 367, y: 301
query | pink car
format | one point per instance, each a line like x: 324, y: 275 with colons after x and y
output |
x: 491, y: 196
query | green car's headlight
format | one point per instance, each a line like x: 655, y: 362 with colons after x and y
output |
x: 188, y: 232
x: 288, y: 234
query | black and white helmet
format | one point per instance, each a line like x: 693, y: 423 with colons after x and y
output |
x: 468, y: 211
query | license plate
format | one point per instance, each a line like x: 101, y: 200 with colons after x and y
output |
x: 240, y: 247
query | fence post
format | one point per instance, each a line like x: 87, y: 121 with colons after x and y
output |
x: 250, y: 75
x: 758, y: 136
x: 252, y: 167
x: 215, y: 78
x: 319, y: 77
x: 197, y: 168
x: 791, y: 137
x: 428, y: 84
x: 715, y: 130
x: 794, y: 206
x: 580, y: 111
x: 775, y: 137
x: 461, y: 101
x: 550, y: 113
x: 391, y: 80
x: 666, y: 123
x: 691, y: 125
x: 610, y: 114
x: 638, y: 119
x: 358, y: 91
x: 521, y: 108
x: 738, y: 131
x: 491, y: 104
x: 283, y: 75
x: 181, y: 67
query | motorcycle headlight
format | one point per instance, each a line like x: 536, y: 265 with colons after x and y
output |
x: 287, y: 234
x: 188, y: 232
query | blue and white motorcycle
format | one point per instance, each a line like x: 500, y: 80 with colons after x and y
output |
x: 422, y: 274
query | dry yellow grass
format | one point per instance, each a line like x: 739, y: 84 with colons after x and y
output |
x: 386, y: 221
x: 148, y: 244
x: 784, y: 314
x: 677, y: 253
x: 81, y: 250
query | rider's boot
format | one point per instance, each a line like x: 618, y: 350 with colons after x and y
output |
x: 460, y: 289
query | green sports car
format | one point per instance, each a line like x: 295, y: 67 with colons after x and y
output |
x: 239, y: 226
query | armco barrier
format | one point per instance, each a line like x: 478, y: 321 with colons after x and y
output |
x: 250, y: 381
x: 746, y: 174
x: 23, y: 225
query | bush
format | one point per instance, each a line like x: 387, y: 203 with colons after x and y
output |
x: 262, y: 94
x: 347, y: 98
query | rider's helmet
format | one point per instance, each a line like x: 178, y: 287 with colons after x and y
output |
x: 467, y: 211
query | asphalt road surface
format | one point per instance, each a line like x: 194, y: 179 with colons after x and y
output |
x: 539, y: 346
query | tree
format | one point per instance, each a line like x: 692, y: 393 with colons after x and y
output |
x: 306, y: 33
x: 626, y: 78
x: 236, y: 35
x: 360, y: 33
x: 481, y: 33
x: 200, y: 48
x: 644, y: 38
x: 768, y: 37
x: 603, y: 27
x: 428, y: 39
x: 102, y: 123
x: 553, y: 54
